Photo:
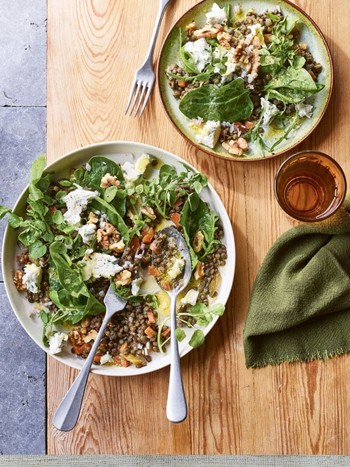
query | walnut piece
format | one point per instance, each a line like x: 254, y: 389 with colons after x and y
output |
x: 224, y: 39
x: 208, y: 32
x: 109, y: 180
x: 108, y: 237
x: 93, y: 219
x: 75, y: 337
x: 123, y: 278
x: 190, y: 28
x: 117, y: 247
x: 149, y: 212
x: 236, y: 147
x: 198, y: 242
x: 91, y: 336
x: 199, y: 272
x: 18, y: 281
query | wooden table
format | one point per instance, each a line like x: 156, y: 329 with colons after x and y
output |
x: 94, y: 47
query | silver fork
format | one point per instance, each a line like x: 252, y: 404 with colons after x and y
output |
x: 68, y: 411
x: 144, y: 78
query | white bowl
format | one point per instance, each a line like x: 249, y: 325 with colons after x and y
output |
x: 119, y: 151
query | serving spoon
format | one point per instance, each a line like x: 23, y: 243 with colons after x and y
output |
x: 67, y: 413
x: 176, y: 409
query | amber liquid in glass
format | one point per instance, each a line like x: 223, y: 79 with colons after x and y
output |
x: 311, y: 191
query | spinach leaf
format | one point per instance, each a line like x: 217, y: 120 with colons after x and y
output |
x: 229, y: 103
x: 292, y: 96
x: 197, y: 217
x: 292, y: 85
x: 99, y: 167
x: 67, y: 288
x: 292, y: 78
x: 113, y: 215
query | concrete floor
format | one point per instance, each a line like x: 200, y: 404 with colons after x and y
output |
x: 22, y: 139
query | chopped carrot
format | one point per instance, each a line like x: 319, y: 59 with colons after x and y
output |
x: 155, y: 247
x: 181, y: 84
x: 150, y: 332
x: 124, y: 362
x: 120, y: 361
x: 82, y: 349
x: 135, y: 243
x: 153, y: 271
x: 166, y: 332
x: 175, y: 217
x: 148, y: 235
x: 178, y: 202
x: 249, y: 125
x: 147, y: 238
x: 97, y: 358
x: 239, y: 125
x: 123, y: 347
x: 166, y: 285
x: 151, y: 317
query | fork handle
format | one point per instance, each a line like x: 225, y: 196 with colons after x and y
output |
x: 162, y: 6
x: 67, y: 413
x: 176, y: 409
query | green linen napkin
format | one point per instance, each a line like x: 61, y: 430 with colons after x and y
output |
x: 300, y: 304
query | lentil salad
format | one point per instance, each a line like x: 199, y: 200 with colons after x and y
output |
x: 107, y: 236
x: 244, y: 79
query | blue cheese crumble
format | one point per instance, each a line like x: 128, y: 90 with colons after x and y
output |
x: 209, y: 134
x: 216, y: 15
x: 32, y: 277
x: 76, y: 201
x: 87, y: 232
x: 57, y: 341
x: 176, y: 269
x: 200, y: 51
x: 100, y: 265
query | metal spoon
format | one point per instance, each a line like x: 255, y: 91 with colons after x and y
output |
x: 176, y: 409
x: 67, y: 413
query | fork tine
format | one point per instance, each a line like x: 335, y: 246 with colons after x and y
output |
x: 136, y: 97
x: 132, y: 95
x: 146, y: 98
x: 144, y: 87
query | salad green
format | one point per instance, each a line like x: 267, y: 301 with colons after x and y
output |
x: 101, y: 225
x: 244, y: 79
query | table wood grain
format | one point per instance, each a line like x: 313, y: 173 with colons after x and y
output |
x: 94, y: 47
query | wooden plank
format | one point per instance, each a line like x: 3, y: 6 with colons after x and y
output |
x: 94, y: 48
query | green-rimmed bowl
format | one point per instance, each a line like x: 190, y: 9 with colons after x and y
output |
x: 309, y: 33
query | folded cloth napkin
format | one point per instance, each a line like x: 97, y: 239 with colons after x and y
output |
x: 300, y: 304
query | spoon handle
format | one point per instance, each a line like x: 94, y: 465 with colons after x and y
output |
x: 176, y: 409
x: 68, y: 411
